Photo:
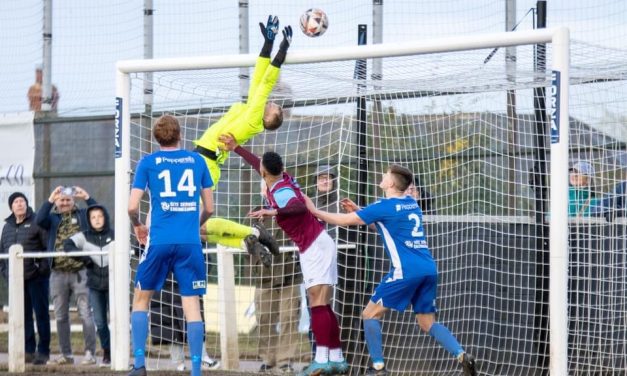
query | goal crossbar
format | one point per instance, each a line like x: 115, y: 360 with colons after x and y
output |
x: 558, y: 117
x: 449, y: 44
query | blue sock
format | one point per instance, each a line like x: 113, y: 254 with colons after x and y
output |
x: 372, y: 331
x: 139, y: 326
x: 445, y: 338
x: 195, y: 338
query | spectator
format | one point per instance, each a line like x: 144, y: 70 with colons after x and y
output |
x: 277, y: 304
x: 422, y: 196
x: 97, y: 238
x: 613, y: 204
x: 20, y: 228
x: 35, y: 93
x: 168, y: 327
x: 324, y: 197
x: 580, y: 194
x: 326, y: 192
x: 62, y: 218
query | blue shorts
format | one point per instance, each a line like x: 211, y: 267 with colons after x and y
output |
x: 186, y: 261
x: 420, y: 291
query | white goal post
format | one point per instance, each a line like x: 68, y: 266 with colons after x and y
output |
x: 559, y: 118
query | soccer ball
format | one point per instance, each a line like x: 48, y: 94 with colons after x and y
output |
x: 314, y: 22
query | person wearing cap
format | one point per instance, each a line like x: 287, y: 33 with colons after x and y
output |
x: 277, y: 300
x: 580, y: 194
x: 325, y: 196
x: 20, y: 228
x: 35, y: 93
x: 612, y: 204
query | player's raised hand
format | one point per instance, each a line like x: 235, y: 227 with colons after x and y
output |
x: 55, y: 194
x: 279, y: 58
x: 229, y: 141
x: 287, y: 38
x: 81, y: 193
x: 270, y: 29
x: 348, y: 205
x: 263, y: 213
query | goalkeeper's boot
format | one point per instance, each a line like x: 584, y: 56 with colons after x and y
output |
x: 266, y: 239
x: 256, y: 250
x: 371, y: 371
x: 316, y: 369
x: 338, y: 368
x: 141, y: 371
x: 468, y: 363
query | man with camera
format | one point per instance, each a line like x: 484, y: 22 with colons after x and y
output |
x: 60, y: 216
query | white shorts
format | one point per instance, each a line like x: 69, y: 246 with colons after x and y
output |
x: 319, y: 262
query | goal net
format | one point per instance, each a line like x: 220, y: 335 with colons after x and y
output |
x: 476, y: 132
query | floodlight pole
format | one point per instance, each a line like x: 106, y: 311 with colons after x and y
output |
x: 148, y: 54
x: 244, y: 75
x: 46, y: 90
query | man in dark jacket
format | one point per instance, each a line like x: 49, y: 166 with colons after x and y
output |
x: 97, y: 238
x: 325, y: 196
x: 20, y: 228
x: 62, y: 218
x: 277, y: 302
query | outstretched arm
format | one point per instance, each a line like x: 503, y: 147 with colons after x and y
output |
x: 339, y: 219
x: 268, y: 31
x: 293, y: 207
x: 230, y: 144
x: 279, y: 59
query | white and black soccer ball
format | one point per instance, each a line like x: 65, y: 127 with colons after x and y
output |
x: 314, y: 22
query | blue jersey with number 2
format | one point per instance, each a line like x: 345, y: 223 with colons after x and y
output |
x: 399, y: 223
x: 174, y: 179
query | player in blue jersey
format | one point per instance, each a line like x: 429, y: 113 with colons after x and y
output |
x: 177, y: 180
x: 413, y: 275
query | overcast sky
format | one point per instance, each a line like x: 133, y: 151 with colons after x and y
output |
x: 89, y: 37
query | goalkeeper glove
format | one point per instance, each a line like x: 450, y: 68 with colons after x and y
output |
x: 287, y: 38
x: 285, y: 44
x: 269, y: 31
x: 271, y: 28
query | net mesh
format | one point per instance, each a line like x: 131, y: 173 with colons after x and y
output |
x: 480, y: 160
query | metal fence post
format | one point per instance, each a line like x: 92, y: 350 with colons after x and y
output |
x: 16, y: 309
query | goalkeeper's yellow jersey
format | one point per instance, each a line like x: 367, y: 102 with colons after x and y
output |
x: 243, y: 120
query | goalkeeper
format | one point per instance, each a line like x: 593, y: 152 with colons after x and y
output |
x: 244, y: 121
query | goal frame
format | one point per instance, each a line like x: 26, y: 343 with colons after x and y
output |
x: 558, y: 118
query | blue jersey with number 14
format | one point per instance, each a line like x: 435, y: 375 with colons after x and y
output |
x: 399, y: 223
x: 174, y: 179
